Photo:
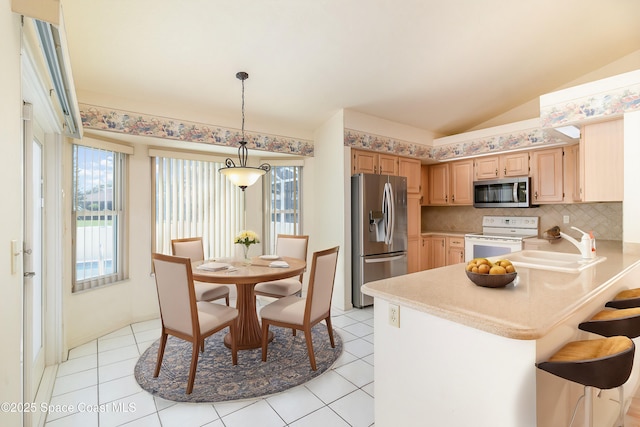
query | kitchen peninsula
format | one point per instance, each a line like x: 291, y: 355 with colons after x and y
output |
x: 465, y: 355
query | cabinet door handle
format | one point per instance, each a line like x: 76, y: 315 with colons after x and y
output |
x: 505, y: 171
x: 496, y: 171
x: 535, y: 195
x: 446, y: 198
x: 453, y: 198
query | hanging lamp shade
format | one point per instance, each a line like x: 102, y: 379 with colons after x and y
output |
x: 242, y: 175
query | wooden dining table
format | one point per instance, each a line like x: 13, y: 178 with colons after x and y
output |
x: 245, y: 277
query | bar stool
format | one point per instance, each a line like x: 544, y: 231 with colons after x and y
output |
x: 608, y: 323
x: 614, y: 322
x: 604, y: 363
x: 626, y: 299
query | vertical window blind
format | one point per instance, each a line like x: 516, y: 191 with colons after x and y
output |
x: 193, y: 200
x: 99, y: 217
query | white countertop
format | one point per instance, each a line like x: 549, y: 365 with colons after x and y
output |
x: 527, y: 310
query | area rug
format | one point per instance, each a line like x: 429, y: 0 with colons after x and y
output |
x: 218, y: 380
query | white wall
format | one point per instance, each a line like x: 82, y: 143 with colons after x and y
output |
x: 328, y: 226
x: 631, y: 205
x: 377, y: 126
x: 12, y: 215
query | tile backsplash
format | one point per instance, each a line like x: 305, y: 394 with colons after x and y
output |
x: 605, y: 219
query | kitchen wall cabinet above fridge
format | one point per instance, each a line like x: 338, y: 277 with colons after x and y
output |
x: 364, y: 161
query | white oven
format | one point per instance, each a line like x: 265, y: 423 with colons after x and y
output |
x: 500, y: 235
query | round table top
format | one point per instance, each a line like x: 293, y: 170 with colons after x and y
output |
x: 258, y: 271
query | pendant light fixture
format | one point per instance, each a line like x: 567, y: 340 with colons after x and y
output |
x: 243, y: 175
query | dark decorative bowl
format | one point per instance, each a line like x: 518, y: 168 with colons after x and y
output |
x: 491, y: 280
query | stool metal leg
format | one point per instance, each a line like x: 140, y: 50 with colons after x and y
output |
x: 588, y: 406
x: 622, y: 405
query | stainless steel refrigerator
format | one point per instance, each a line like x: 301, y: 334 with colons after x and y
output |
x: 378, y: 231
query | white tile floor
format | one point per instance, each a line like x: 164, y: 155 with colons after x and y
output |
x: 97, y: 383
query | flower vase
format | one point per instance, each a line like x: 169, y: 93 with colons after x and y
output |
x: 245, y: 252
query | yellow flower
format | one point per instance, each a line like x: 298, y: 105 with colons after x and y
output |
x: 247, y: 238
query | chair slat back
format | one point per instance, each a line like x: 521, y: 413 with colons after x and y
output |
x: 174, y: 281
x: 190, y: 247
x: 323, y: 273
x: 293, y: 246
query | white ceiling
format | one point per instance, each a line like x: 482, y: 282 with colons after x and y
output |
x: 440, y: 65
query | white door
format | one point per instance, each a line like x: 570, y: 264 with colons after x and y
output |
x: 34, y: 296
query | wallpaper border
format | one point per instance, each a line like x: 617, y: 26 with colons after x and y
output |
x: 131, y: 123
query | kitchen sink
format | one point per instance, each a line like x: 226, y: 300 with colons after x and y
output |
x: 553, y: 261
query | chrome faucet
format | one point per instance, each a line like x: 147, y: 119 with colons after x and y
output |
x: 586, y: 245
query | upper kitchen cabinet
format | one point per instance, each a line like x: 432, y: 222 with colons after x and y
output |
x: 601, y: 174
x: 424, y: 185
x: 363, y: 161
x: 410, y: 168
x: 546, y: 176
x: 451, y: 183
x: 502, y: 166
x: 572, y: 189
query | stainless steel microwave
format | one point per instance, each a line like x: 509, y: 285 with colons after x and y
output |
x: 502, y: 193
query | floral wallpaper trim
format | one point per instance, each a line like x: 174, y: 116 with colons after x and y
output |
x: 531, y: 138
x: 109, y: 119
x: 358, y: 139
x: 609, y: 103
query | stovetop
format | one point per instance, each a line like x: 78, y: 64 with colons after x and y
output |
x: 514, y: 227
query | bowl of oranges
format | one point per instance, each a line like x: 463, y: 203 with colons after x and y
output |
x: 496, y: 274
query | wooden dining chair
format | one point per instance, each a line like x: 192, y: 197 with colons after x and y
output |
x: 192, y: 248
x: 303, y: 313
x: 292, y: 246
x: 184, y: 317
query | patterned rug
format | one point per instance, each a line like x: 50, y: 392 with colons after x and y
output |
x: 217, y: 379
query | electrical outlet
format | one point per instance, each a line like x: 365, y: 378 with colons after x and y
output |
x: 565, y: 219
x: 394, y: 315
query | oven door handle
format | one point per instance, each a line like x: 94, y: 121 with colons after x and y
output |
x: 515, y: 192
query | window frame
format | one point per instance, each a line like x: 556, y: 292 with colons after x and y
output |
x: 270, y: 232
x: 117, y: 212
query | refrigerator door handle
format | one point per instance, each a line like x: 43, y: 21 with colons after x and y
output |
x: 387, y: 208
x: 385, y: 259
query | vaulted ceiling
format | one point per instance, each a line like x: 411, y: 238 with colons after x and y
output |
x: 440, y: 65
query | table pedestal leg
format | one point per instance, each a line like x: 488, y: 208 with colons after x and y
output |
x: 249, y: 329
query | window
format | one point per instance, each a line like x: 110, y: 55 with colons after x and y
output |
x: 98, y: 215
x: 192, y: 199
x: 282, y: 203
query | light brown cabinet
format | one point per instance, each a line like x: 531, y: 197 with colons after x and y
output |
x: 546, y: 176
x: 363, y: 161
x: 455, y: 250
x: 501, y: 166
x: 424, y: 185
x: 451, y: 183
x: 433, y: 252
x: 571, y: 174
x: 413, y: 232
x: 410, y: 168
x: 601, y: 172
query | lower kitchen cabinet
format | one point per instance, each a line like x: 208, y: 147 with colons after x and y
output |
x: 455, y: 250
x: 438, y: 251
x: 433, y: 252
